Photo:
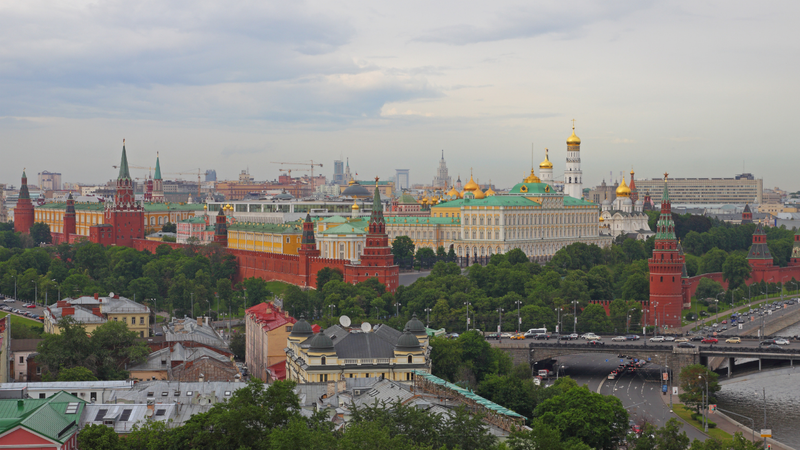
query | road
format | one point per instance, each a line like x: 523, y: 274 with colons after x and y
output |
x: 746, y: 342
x: 639, y: 393
x: 408, y: 278
x: 718, y: 317
x: 19, y: 304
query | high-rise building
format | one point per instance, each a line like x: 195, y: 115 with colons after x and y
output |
x: 573, y: 177
x: 211, y: 175
x: 49, y: 181
x: 401, y: 180
x: 338, y: 172
x: 699, y: 191
x: 441, y: 180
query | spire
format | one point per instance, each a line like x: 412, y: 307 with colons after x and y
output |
x: 665, y: 229
x: 23, y: 174
x: 376, y: 220
x: 442, y: 154
x: 158, y: 167
x: 308, y: 232
x: 123, y: 165
x: 23, y: 189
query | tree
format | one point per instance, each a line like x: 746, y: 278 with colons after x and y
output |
x: 40, y: 232
x: 256, y: 291
x: 670, y: 436
x: 426, y: 257
x: 707, y: 288
x: 403, y: 247
x: 594, y: 319
x: 697, y: 382
x: 76, y: 374
x: 169, y: 227
x: 712, y: 261
x: 327, y: 274
x: 70, y: 348
x: 238, y: 345
x: 114, y: 346
x: 735, y: 270
x: 599, y: 421
x: 99, y: 437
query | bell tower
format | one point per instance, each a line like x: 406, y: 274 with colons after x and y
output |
x: 573, y: 177
x: 666, y: 270
x: 125, y: 215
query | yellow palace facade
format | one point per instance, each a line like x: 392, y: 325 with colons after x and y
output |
x: 90, y: 214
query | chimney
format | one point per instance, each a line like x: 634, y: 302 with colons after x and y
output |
x: 96, y: 295
x: 62, y: 303
x: 201, y: 378
x: 286, y: 313
x: 68, y: 311
x: 96, y: 312
x: 199, y: 321
x: 20, y: 404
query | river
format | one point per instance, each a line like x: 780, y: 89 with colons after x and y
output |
x: 782, y: 400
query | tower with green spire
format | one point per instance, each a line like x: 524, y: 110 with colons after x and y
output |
x: 666, y: 270
x: 125, y: 214
x: 158, y: 183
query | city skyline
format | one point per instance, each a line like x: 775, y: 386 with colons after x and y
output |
x: 698, y: 90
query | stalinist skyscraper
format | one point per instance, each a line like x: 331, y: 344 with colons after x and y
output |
x: 441, y: 179
x: 573, y: 177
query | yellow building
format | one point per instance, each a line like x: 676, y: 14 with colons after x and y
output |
x: 266, y: 237
x: 337, y: 353
x: 94, y: 311
x: 90, y: 214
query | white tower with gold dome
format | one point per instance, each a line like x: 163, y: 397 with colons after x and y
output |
x: 573, y: 177
x: 546, y: 168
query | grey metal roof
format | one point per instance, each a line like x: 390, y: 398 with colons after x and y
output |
x: 364, y: 345
x: 125, y: 416
x: 67, y: 385
x: 162, y: 359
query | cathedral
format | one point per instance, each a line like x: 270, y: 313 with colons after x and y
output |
x: 625, y: 215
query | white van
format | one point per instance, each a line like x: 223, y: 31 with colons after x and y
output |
x: 9, y: 300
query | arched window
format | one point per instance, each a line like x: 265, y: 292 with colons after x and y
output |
x: 410, y: 359
x: 322, y: 361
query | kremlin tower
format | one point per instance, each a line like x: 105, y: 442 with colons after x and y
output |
x: 158, y: 183
x: 573, y: 177
x: 221, y: 228
x: 666, y: 270
x: 125, y: 216
x: 23, y: 212
x: 69, y: 219
x: 747, y: 215
x: 795, y: 261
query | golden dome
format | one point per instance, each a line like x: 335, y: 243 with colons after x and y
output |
x: 546, y: 164
x: 532, y: 178
x: 453, y: 193
x: 573, y: 140
x: 471, y: 185
x: 479, y: 193
x: 489, y: 192
x: 623, y: 190
x: 355, y: 206
x: 351, y: 182
x: 601, y: 219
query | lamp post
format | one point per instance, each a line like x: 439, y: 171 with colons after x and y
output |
x: 191, y: 295
x: 574, y: 316
x: 428, y: 315
x: 704, y: 403
x: 35, y: 291
x: 655, y: 329
x: 500, y: 320
x: 467, y: 304
x: 519, y: 318
x: 628, y: 322
x: 717, y: 302
x: 397, y: 309
x: 558, y: 319
x: 15, y: 287
x: 330, y: 307
x: 59, y: 289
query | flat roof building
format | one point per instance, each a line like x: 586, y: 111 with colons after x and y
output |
x: 700, y: 191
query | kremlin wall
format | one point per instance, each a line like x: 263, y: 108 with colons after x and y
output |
x: 671, y: 290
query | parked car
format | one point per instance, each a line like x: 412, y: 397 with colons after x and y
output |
x: 30, y: 306
x: 734, y: 340
x: 669, y: 338
x: 710, y: 340
x: 686, y: 345
x: 657, y: 339
x: 618, y: 338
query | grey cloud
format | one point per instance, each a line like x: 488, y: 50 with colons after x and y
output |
x: 531, y: 21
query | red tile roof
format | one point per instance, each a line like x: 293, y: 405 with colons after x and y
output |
x: 269, y: 316
x: 278, y: 371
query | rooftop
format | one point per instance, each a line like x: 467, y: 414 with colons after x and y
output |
x: 55, y: 418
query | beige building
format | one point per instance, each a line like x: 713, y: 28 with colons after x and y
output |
x: 699, y: 191
x: 338, y: 353
x: 94, y: 311
x: 267, y: 329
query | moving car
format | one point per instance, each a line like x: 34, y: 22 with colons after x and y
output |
x: 543, y: 336
x: 596, y: 342
x: 734, y: 340
x: 686, y: 345
x: 632, y: 337
x: 574, y: 336
x: 697, y: 338
x: 710, y: 340
x: 781, y: 342
x: 590, y: 336
x: 506, y: 335
x: 682, y: 340
x: 492, y: 336
x: 774, y: 347
x: 618, y: 338
x: 657, y: 339
x: 766, y: 342
x: 669, y: 338
x: 518, y: 336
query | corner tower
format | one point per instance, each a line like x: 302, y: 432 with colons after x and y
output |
x: 759, y: 254
x: 23, y: 212
x: 69, y: 219
x: 666, y: 270
x: 125, y: 215
x: 573, y: 177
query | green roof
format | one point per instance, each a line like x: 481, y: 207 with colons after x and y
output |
x: 407, y: 198
x: 335, y: 219
x: 372, y: 183
x: 45, y: 416
x: 572, y: 201
x: 265, y: 228
x: 148, y: 207
x: 495, y: 200
x: 345, y: 228
x: 532, y: 188
x: 198, y: 219
x: 123, y: 165
x: 158, y: 169
x: 399, y: 220
x: 494, y: 407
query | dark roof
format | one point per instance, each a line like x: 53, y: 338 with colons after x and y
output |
x: 407, y: 340
x: 320, y: 342
x: 364, y: 345
x: 301, y: 328
x: 356, y: 190
x: 24, y: 345
x: 387, y: 333
x: 415, y: 326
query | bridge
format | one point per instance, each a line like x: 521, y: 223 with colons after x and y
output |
x: 535, y: 353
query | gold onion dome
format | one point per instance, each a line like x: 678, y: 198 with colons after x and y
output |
x: 574, y: 139
x: 355, y: 206
x: 471, y: 185
x: 532, y: 178
x: 623, y: 190
x: 601, y: 219
x: 479, y: 193
x: 453, y: 193
x: 546, y: 164
x: 489, y: 192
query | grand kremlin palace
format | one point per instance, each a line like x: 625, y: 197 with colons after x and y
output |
x: 90, y: 214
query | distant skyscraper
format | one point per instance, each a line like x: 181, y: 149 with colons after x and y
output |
x: 338, y: 172
x: 49, y: 181
x: 401, y: 180
x: 347, y: 175
x: 441, y: 179
x: 211, y: 175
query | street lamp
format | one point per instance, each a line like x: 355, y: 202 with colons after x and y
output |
x: 397, y: 309
x: 59, y: 289
x: 15, y: 286
x: 628, y: 323
x: 704, y: 403
x: 331, y: 310
x: 574, y: 316
x: 428, y: 313
x: 500, y: 320
x: 519, y: 318
x: 467, y: 304
x: 36, y: 291
x: 558, y: 319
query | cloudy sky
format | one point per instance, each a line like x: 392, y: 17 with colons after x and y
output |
x: 695, y: 88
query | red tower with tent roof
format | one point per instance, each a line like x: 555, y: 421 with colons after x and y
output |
x: 23, y: 212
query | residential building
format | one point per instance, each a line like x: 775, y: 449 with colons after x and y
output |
x: 49, y: 181
x: 21, y: 349
x: 87, y: 391
x: 338, y: 353
x: 122, y: 417
x: 179, y: 363
x: 267, y: 329
x: 198, y: 331
x: 50, y: 423
x: 94, y: 311
x: 197, y: 229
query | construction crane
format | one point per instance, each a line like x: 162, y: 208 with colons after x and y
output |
x: 289, y: 171
x: 169, y: 173
x: 311, y: 164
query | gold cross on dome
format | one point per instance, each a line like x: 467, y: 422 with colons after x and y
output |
x: 573, y: 124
